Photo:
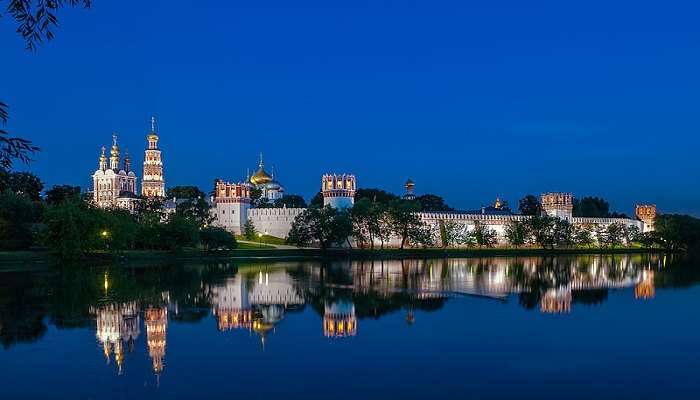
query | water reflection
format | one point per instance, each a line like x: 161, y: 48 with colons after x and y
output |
x: 259, y: 297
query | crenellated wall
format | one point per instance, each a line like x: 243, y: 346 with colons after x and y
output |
x: 275, y: 221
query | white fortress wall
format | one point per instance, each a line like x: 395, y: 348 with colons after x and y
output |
x: 275, y: 221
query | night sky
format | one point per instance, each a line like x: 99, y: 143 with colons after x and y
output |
x: 469, y: 99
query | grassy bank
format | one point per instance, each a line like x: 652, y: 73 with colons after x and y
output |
x: 9, y: 260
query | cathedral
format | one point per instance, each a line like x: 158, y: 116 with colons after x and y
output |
x: 269, y: 187
x: 114, y: 183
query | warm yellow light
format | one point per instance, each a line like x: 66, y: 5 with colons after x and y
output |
x: 104, y: 233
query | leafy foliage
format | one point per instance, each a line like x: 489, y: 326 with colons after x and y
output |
x: 517, y: 233
x: 18, y: 216
x: 431, y: 202
x: 591, y: 207
x: 215, y: 238
x: 249, y: 230
x: 290, y: 201
x: 60, y: 193
x: 22, y: 183
x: 529, y: 205
x: 376, y: 195
x: 326, y: 225
x: 678, y: 231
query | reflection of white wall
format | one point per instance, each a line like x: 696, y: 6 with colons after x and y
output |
x: 274, y: 288
x: 232, y: 295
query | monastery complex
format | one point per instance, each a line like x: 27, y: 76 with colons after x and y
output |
x: 114, y: 185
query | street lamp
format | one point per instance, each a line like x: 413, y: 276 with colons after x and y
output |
x: 260, y: 239
x: 104, y: 234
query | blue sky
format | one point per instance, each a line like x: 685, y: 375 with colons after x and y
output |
x: 469, y: 99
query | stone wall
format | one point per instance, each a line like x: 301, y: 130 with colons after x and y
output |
x: 275, y: 221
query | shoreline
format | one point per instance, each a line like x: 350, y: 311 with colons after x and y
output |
x: 39, y: 258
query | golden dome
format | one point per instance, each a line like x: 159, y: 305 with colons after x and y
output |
x: 261, y: 177
x: 152, y: 136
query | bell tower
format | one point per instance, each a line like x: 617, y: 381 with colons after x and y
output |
x: 153, y: 183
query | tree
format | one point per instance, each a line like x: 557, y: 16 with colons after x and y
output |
x: 60, y: 193
x: 562, y: 232
x: 35, y: 21
x: 317, y: 200
x: 22, y: 183
x: 376, y: 195
x: 185, y: 192
x: 196, y: 210
x: 516, y: 233
x: 150, y: 206
x: 542, y: 229
x: 614, y: 234
x: 18, y: 215
x: 431, y: 203
x: 483, y: 235
x: 452, y: 233
x: 326, y: 225
x: 630, y: 233
x: 120, y: 227
x: 583, y: 236
x: 403, y: 219
x: 678, y: 232
x: 360, y: 214
x: 529, y: 205
x: 72, y: 229
x: 249, y: 230
x: 591, y: 207
x: 214, y: 238
x: 290, y: 201
x: 180, y: 232
x: 421, y: 236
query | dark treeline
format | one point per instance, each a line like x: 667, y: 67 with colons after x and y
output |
x: 69, y: 225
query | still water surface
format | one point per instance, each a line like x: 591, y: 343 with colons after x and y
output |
x: 623, y: 326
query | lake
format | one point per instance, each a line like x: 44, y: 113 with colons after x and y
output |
x: 598, y: 326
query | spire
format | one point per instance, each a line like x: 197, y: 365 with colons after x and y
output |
x: 103, y: 159
x: 127, y: 160
x: 272, y: 174
x: 114, y: 154
x: 261, y: 161
x: 153, y: 123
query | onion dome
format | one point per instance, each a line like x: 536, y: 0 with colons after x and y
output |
x: 260, y: 177
x: 114, y: 152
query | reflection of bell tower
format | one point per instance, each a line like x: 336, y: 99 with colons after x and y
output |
x: 156, y: 319
x: 645, y: 289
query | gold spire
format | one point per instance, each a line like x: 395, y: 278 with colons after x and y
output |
x: 152, y: 135
x: 115, y: 147
x: 498, y: 202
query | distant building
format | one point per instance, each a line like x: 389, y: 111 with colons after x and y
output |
x: 555, y: 204
x: 114, y: 185
x: 269, y: 187
x: 153, y: 183
x: 647, y: 214
x: 338, y: 190
x: 410, y: 186
x: 231, y: 203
